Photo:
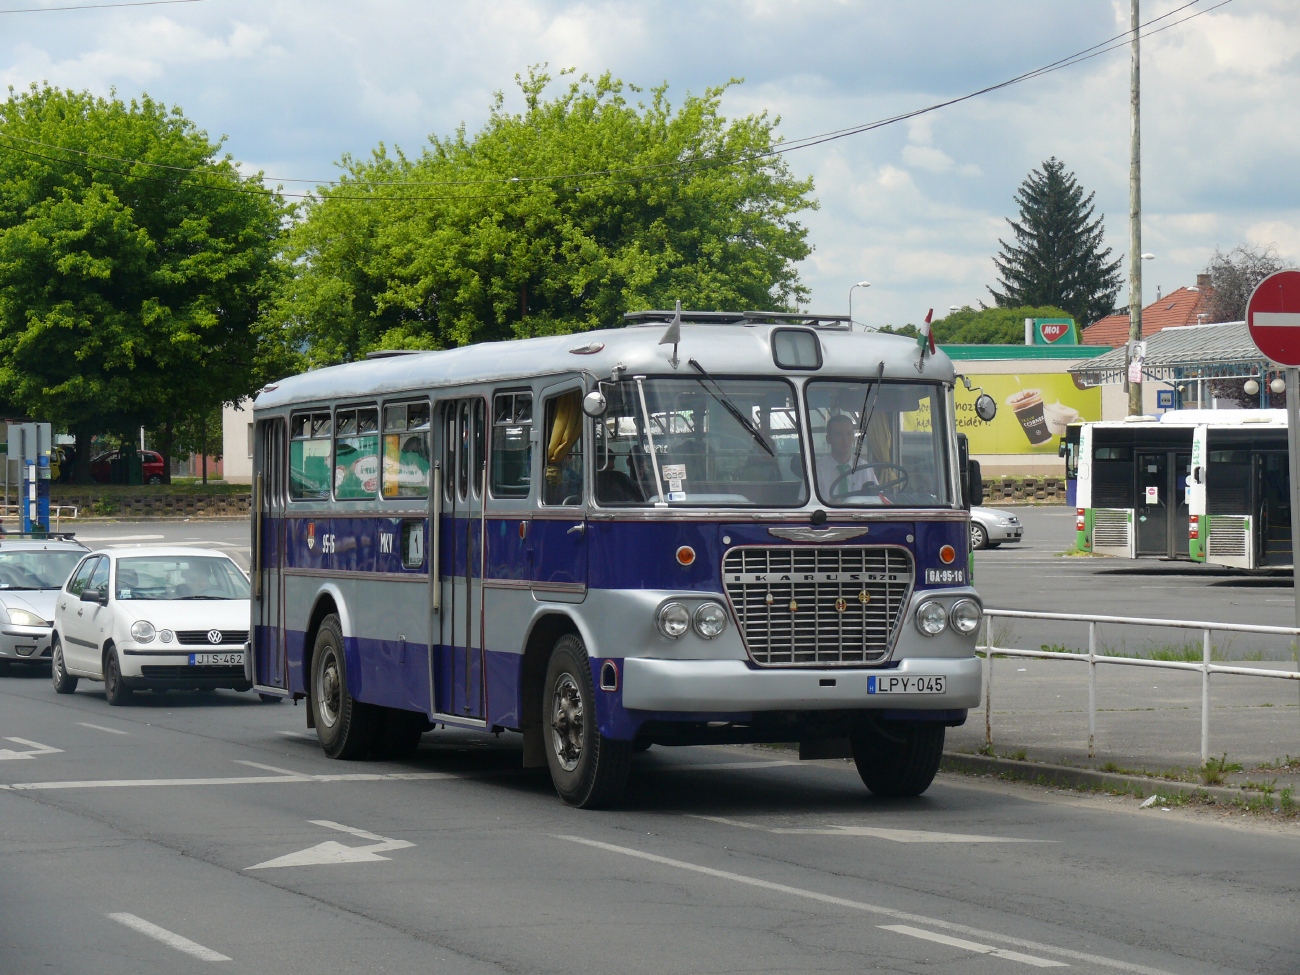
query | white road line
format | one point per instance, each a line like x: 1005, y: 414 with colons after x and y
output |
x: 297, y: 734
x: 943, y: 939
x: 169, y: 938
x: 866, y: 908
x: 282, y: 776
x: 8, y: 754
x: 100, y: 727
x: 879, y: 832
x: 118, y: 538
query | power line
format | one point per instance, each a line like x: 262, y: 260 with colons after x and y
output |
x: 96, y: 6
x: 654, y: 171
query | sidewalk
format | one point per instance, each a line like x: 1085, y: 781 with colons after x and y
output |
x: 1148, y: 722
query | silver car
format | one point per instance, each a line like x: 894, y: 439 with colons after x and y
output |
x: 32, y: 571
x: 990, y: 527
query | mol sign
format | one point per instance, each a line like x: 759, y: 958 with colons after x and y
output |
x: 1273, y: 317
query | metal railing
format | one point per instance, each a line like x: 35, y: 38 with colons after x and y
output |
x: 1092, y: 658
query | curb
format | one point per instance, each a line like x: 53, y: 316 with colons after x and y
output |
x: 1041, y: 774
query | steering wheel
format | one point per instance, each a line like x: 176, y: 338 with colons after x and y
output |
x: 896, y: 480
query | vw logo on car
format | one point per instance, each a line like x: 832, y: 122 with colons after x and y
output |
x: 214, y: 636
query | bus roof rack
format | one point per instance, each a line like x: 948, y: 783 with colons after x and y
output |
x: 737, y: 318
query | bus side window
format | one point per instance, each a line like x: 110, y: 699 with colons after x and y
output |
x: 480, y: 446
x: 406, y: 450
x: 512, y: 448
x: 356, y: 453
x: 309, y: 457
x: 448, y: 452
x: 563, y: 432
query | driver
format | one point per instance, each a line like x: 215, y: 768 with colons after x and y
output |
x: 840, y: 434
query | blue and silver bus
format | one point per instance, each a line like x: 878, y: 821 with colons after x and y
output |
x: 748, y: 527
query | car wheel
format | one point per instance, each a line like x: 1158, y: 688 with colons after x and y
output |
x: 270, y: 698
x: 344, y: 725
x: 64, y: 683
x: 154, y: 479
x: 115, y: 689
x: 398, y: 734
x: 588, y: 769
x: 979, y: 536
x: 897, y: 758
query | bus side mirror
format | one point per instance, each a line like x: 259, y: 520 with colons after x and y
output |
x: 594, y: 404
x: 986, y: 408
x: 1198, y: 475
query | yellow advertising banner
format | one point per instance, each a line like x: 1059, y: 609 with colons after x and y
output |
x: 1033, y: 411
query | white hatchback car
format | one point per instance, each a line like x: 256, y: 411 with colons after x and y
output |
x: 152, y: 618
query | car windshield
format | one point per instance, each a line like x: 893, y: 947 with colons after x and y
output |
x: 180, y: 577
x: 879, y: 443
x: 37, y: 569
x: 708, y: 454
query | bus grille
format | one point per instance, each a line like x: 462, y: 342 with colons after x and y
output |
x: 1110, y: 528
x: 816, y: 607
x: 1227, y: 537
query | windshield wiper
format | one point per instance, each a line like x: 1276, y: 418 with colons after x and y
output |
x: 205, y: 597
x: 864, y: 418
x: 730, y: 407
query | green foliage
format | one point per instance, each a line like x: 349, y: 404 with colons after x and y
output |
x: 127, y: 291
x: 1057, y: 258
x: 990, y: 326
x: 489, y: 236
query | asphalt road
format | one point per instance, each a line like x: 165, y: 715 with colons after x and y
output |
x: 207, y: 832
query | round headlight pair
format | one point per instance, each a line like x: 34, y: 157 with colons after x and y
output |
x: 142, y: 631
x: 674, y: 619
x: 965, y: 616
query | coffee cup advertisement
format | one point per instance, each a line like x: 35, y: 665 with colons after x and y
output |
x: 1034, y: 411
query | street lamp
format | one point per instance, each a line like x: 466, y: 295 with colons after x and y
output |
x: 860, y: 284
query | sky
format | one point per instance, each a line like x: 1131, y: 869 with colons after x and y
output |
x: 916, y: 208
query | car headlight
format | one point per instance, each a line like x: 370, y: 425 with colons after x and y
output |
x: 673, y: 620
x: 166, y: 636
x: 1004, y: 522
x: 931, y: 618
x: 710, y: 620
x: 965, y: 616
x: 142, y: 631
x: 21, y: 617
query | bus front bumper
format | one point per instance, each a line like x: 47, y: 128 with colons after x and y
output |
x: 732, y: 685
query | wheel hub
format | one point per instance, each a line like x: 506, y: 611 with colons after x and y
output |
x: 567, y: 722
x: 328, y: 692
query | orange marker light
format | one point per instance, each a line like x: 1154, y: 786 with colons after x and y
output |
x: 947, y: 554
x: 686, y: 555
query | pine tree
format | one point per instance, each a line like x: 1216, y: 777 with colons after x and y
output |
x: 1057, y: 258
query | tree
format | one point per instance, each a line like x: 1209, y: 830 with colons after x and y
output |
x: 134, y: 260
x: 1233, y: 277
x: 556, y: 219
x: 1057, y: 258
x: 983, y: 326
x: 199, y: 434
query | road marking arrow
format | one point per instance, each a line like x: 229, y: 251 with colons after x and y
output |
x: 332, y: 851
x: 36, y: 748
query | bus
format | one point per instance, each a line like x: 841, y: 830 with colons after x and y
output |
x: 1208, y: 486
x: 698, y: 528
x: 1240, y: 513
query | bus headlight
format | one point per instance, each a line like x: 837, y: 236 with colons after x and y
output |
x: 710, y: 620
x: 931, y: 618
x: 142, y: 631
x: 673, y: 620
x: 965, y: 616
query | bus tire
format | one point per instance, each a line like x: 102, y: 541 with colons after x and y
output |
x: 588, y: 769
x: 398, y: 734
x: 344, y: 725
x: 897, y: 758
x: 64, y: 683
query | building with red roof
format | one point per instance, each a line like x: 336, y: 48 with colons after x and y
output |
x: 1184, y: 306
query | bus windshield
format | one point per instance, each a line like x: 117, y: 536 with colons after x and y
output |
x: 879, y: 443
x: 719, y: 443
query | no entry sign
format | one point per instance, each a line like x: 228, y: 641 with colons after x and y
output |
x: 1273, y: 317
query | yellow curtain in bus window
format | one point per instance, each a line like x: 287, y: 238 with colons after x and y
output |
x: 1034, y: 410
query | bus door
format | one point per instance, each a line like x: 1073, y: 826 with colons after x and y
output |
x: 1272, y: 508
x: 1180, y: 508
x: 1198, y: 527
x: 559, y: 531
x: 458, y: 656
x: 1153, y: 480
x: 269, y: 666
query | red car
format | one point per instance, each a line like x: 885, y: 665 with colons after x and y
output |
x: 101, y: 467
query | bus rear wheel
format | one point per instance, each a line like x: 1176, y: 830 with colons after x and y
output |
x: 344, y: 725
x: 897, y: 758
x: 588, y: 769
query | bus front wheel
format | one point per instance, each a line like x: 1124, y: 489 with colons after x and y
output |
x: 588, y: 769
x: 897, y: 758
x: 345, y: 726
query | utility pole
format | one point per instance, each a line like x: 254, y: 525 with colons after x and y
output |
x: 1135, y: 209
